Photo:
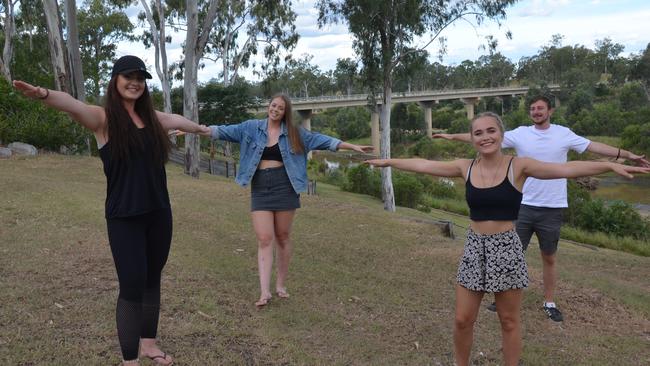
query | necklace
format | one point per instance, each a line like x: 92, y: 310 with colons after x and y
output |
x: 496, y: 172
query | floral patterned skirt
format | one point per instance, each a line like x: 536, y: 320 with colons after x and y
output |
x: 493, y: 262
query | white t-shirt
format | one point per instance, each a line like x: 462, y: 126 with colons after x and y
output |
x: 549, y: 145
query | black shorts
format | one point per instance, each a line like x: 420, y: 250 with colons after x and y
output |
x: 271, y: 190
x: 545, y: 222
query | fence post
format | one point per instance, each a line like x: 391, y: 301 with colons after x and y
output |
x: 311, y: 187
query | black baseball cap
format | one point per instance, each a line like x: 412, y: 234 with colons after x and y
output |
x: 128, y: 64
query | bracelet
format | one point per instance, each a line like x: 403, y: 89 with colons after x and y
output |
x: 619, y: 154
x: 47, y: 94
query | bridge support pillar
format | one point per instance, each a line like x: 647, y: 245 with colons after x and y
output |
x: 306, y: 114
x: 427, y: 105
x: 469, y: 106
x: 374, y: 130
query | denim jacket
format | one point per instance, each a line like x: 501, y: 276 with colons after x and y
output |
x: 252, y: 137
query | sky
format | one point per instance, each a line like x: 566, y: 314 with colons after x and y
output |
x: 531, y: 22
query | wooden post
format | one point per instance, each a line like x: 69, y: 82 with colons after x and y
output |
x: 311, y: 187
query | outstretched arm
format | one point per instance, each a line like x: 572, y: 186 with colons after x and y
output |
x: 615, y: 152
x: 462, y: 137
x: 358, y: 148
x: 574, y: 169
x: 177, y: 122
x: 90, y: 116
x: 454, y: 168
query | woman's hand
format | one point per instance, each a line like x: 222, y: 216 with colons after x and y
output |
x: 363, y: 148
x: 639, y: 160
x: 200, y: 130
x: 445, y: 136
x: 30, y: 91
x: 380, y: 163
x: 627, y: 170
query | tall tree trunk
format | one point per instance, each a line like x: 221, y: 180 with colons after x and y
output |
x: 57, y: 53
x: 387, y: 193
x: 158, y: 34
x: 76, y: 70
x: 194, y: 46
x: 190, y: 96
x: 9, y: 32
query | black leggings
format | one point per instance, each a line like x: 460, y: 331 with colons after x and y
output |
x: 140, y: 246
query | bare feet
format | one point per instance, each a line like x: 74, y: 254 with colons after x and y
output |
x: 135, y: 362
x: 263, y: 301
x: 149, y: 350
x: 282, y: 292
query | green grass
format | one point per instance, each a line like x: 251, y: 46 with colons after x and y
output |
x: 368, y: 287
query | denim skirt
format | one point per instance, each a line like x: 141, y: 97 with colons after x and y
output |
x: 271, y: 190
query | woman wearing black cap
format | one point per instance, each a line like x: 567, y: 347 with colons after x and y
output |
x: 133, y: 145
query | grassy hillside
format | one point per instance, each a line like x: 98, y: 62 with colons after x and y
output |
x: 368, y: 287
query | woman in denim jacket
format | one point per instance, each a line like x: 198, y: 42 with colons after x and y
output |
x: 273, y: 160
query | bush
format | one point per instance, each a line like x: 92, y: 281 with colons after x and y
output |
x: 31, y: 122
x: 442, y: 188
x: 440, y: 149
x: 408, y: 189
x: 615, y: 218
x: 363, y: 179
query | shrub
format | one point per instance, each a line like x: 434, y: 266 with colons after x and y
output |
x: 31, y: 122
x: 408, y: 189
x: 363, y: 179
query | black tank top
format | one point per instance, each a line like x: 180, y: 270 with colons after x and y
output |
x: 500, y: 202
x: 272, y: 153
x: 136, y: 185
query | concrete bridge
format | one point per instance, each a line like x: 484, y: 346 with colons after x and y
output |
x: 306, y: 107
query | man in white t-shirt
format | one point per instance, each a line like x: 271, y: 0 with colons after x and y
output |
x: 544, y: 200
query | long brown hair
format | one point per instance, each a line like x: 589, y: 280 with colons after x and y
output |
x: 294, y: 134
x: 122, y: 131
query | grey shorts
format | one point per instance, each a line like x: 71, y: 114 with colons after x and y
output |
x: 492, y: 262
x: 271, y: 190
x: 545, y: 222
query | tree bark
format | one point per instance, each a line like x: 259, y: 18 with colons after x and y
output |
x: 194, y: 46
x: 57, y: 53
x: 9, y: 32
x: 76, y: 69
x: 158, y: 34
x: 387, y: 193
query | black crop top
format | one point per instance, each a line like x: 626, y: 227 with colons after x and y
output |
x: 272, y: 153
x: 136, y: 185
x: 500, y: 202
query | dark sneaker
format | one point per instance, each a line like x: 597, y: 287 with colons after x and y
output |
x: 492, y: 306
x: 553, y: 313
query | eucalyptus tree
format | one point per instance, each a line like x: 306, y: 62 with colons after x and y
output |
x: 641, y: 70
x: 156, y: 35
x: 102, y: 25
x: 345, y: 73
x: 607, y: 53
x: 384, y: 34
x: 56, y: 45
x: 197, y: 36
x: 243, y: 27
x: 411, y: 72
x: 75, y: 66
x: 8, y: 26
